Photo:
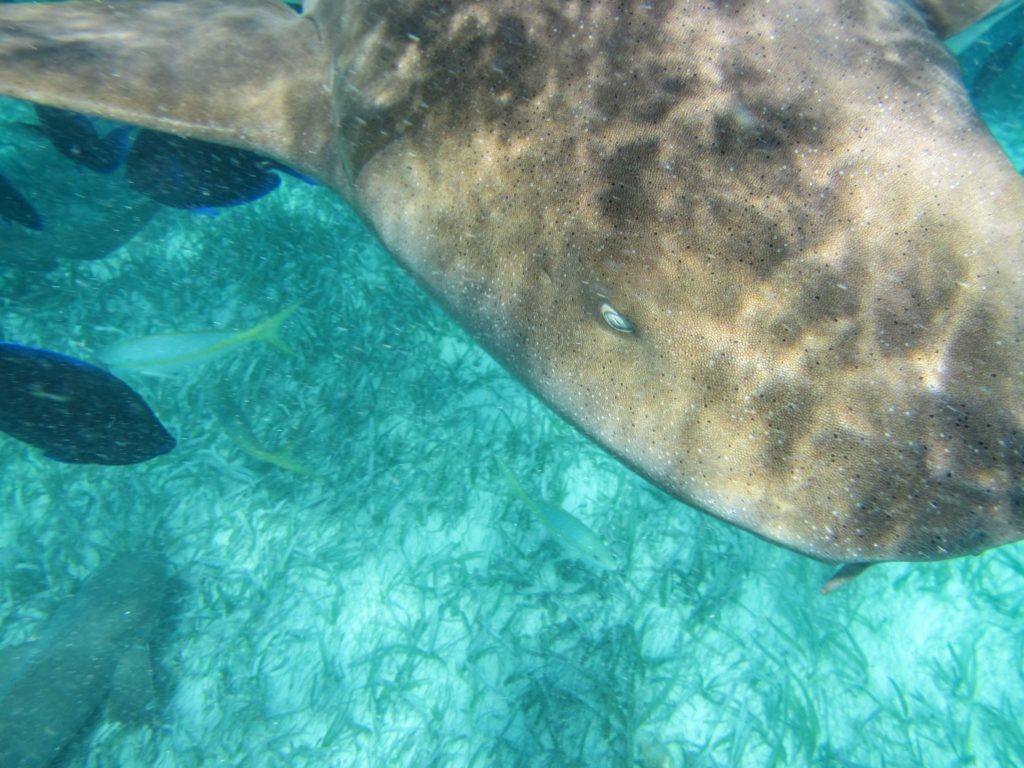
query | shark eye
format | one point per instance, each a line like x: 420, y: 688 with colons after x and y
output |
x: 615, y: 320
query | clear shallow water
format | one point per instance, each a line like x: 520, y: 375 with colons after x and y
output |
x: 402, y: 608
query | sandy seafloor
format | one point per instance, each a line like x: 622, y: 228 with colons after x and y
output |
x: 400, y: 607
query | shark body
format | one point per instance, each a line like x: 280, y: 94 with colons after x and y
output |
x: 765, y: 253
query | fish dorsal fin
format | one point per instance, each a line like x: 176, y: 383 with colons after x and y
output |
x: 247, y: 73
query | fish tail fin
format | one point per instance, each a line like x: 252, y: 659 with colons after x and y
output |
x: 516, y: 489
x: 288, y: 458
x: 844, y: 575
x: 247, y: 73
x: 268, y: 330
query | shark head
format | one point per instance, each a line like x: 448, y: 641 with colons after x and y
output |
x: 771, y: 269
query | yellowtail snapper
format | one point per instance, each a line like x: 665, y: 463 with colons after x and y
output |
x: 173, y: 352
x: 229, y: 414
x: 575, y: 537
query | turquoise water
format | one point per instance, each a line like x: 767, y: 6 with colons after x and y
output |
x: 400, y: 607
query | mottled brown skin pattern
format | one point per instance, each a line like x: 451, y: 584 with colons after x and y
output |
x: 793, y: 206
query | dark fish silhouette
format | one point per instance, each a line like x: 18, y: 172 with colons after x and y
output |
x: 74, y: 136
x: 74, y: 411
x: 193, y: 174
x: 92, y: 654
x: 14, y: 207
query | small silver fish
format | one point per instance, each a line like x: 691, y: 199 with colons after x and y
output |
x: 575, y: 537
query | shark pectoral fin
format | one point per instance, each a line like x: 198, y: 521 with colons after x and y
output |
x: 132, y: 694
x: 845, y: 574
x: 247, y: 73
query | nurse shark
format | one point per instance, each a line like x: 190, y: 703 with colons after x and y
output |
x: 764, y: 253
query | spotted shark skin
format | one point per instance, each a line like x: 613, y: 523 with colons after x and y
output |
x: 764, y: 253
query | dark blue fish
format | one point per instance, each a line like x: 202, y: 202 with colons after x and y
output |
x: 14, y: 207
x: 74, y: 411
x: 75, y: 136
x: 191, y: 174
